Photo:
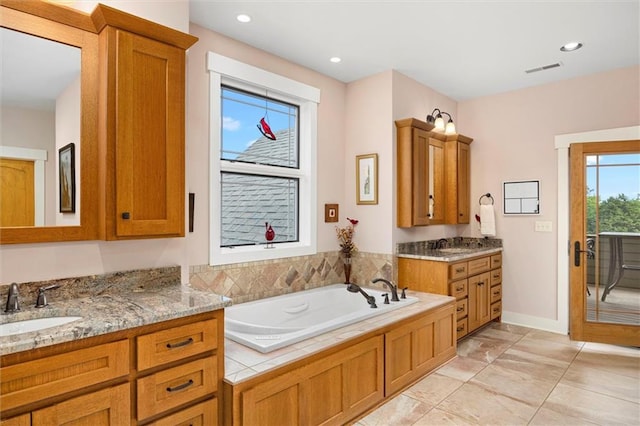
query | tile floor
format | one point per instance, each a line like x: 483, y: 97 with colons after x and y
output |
x: 511, y: 375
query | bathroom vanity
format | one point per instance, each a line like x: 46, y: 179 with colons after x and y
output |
x: 472, y: 276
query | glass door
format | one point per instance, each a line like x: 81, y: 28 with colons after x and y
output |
x: 605, y: 242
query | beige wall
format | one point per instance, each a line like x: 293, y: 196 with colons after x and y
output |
x: 514, y: 140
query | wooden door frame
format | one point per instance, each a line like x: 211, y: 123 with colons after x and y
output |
x: 580, y: 329
x: 562, y: 143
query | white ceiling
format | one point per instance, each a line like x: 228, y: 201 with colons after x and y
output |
x: 461, y: 48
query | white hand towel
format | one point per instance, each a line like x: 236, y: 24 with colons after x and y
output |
x: 487, y: 220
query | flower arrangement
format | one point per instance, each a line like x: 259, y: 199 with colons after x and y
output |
x: 345, y: 236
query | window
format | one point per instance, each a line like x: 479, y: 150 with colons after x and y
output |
x: 260, y: 176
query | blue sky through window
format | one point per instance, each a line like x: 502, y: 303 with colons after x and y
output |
x: 619, y: 174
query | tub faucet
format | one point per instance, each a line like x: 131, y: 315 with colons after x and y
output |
x: 13, y: 304
x: 392, y: 288
x: 354, y: 288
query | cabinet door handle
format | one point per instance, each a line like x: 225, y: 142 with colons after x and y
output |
x: 126, y: 215
x: 180, y: 344
x: 481, y: 283
x: 180, y: 387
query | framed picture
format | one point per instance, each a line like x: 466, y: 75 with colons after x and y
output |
x: 330, y: 212
x: 67, y: 178
x: 367, y: 179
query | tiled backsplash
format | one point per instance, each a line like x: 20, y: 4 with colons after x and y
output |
x: 244, y: 282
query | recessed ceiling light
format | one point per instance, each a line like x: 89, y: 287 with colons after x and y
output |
x: 243, y: 18
x: 569, y: 47
x: 335, y: 59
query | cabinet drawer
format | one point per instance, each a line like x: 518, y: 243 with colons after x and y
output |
x: 203, y: 414
x: 461, y: 308
x: 176, y: 343
x: 458, y: 289
x: 461, y: 328
x: 479, y: 265
x: 496, y: 276
x: 58, y: 374
x: 496, y: 293
x: 496, y: 261
x: 175, y: 386
x: 23, y: 420
x: 458, y: 270
x: 496, y: 309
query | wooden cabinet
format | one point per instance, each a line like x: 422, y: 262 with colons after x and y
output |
x: 330, y: 390
x: 418, y: 347
x: 433, y: 172
x: 476, y: 284
x: 412, y: 152
x: 147, y: 374
x: 142, y: 129
x: 339, y: 384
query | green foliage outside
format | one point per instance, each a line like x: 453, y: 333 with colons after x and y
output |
x: 617, y: 214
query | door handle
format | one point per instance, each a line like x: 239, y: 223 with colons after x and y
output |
x: 576, y: 253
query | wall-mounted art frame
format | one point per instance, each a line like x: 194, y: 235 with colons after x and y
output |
x: 67, y: 178
x: 331, y: 213
x: 367, y: 179
x: 521, y: 197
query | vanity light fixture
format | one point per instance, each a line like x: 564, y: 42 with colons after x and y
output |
x: 570, y: 47
x: 436, y: 119
x: 243, y: 18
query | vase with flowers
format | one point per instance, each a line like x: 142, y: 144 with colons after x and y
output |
x: 347, y: 246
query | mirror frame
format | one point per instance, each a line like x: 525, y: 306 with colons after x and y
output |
x: 74, y: 28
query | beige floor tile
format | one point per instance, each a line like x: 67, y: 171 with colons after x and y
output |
x: 587, y: 406
x: 518, y: 384
x: 499, y: 334
x: 433, y: 388
x: 399, y: 411
x: 482, y: 348
x: 587, y: 376
x: 462, y: 368
x: 619, y: 362
x: 437, y: 417
x: 553, y: 337
x: 604, y: 348
x: 560, y: 352
x: 474, y: 404
x: 515, y: 329
x: 547, y: 417
x: 537, y: 365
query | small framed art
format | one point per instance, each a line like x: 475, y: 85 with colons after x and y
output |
x: 367, y: 179
x: 67, y: 178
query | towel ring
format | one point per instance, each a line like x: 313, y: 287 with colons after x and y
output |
x: 488, y: 195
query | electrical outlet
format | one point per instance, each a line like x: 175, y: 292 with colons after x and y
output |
x: 543, y: 226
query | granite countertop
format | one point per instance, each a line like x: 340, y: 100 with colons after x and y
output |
x: 243, y: 363
x: 449, y: 255
x: 110, y: 312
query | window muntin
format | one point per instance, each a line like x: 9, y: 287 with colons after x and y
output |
x: 243, y: 142
x: 249, y: 202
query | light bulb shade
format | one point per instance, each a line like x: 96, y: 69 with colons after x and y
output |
x: 450, y: 129
x: 439, y: 123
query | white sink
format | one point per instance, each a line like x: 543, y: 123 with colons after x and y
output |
x: 27, y: 326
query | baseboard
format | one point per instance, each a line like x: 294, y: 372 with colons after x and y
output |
x: 545, y: 324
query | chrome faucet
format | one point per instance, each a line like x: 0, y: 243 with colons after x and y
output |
x: 41, y: 302
x: 13, y: 304
x: 393, y: 288
x: 354, y: 288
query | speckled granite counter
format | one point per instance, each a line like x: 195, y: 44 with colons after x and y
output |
x: 456, y: 249
x: 243, y: 363
x: 110, y: 311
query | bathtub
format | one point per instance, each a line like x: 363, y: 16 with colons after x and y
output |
x: 269, y: 324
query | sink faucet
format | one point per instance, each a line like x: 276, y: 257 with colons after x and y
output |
x: 392, y: 288
x: 441, y: 243
x: 13, y: 304
x: 354, y: 288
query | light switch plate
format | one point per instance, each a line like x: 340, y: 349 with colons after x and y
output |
x: 543, y: 226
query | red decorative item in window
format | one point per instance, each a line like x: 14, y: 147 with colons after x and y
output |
x: 265, y: 129
x: 269, y: 235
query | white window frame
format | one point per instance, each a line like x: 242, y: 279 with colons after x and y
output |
x: 229, y: 72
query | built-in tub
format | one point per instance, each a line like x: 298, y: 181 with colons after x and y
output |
x: 269, y: 324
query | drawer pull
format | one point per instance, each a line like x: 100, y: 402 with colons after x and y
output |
x: 496, y: 275
x: 495, y: 293
x: 495, y: 310
x: 180, y: 387
x: 459, y: 270
x: 459, y: 288
x: 180, y: 344
x: 460, y: 328
x: 460, y: 309
x: 480, y: 282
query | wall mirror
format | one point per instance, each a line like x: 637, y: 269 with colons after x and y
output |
x: 49, y: 99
